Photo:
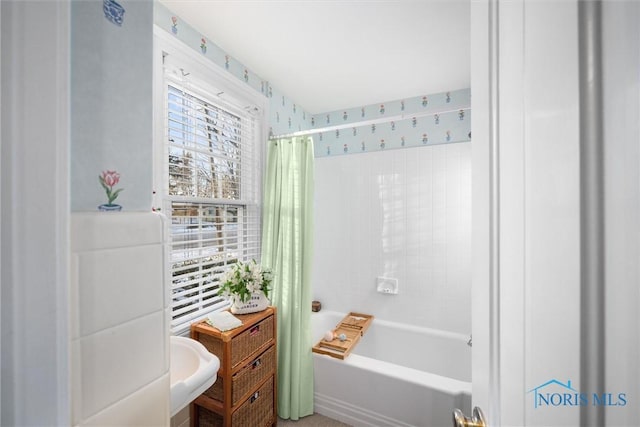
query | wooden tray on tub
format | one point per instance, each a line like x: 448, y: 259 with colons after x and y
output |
x: 353, y: 326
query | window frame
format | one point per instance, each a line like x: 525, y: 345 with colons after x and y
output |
x: 236, y: 95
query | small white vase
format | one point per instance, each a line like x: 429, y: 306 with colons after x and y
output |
x: 257, y: 302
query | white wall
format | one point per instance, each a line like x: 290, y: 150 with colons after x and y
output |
x: 119, y: 329
x: 404, y: 214
x: 35, y: 205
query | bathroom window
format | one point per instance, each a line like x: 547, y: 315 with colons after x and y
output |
x: 211, y: 190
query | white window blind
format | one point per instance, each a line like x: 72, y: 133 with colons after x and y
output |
x: 211, y: 193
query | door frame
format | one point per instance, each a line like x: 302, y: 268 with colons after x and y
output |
x: 526, y: 206
x: 485, y: 290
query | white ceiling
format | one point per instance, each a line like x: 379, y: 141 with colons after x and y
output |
x: 329, y: 55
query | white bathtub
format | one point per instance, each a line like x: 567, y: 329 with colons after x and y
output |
x: 398, y: 375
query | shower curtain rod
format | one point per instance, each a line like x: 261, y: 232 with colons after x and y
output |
x: 366, y: 122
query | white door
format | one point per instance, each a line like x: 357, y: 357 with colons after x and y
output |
x: 526, y: 212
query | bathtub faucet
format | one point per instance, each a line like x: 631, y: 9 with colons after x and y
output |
x: 469, y: 343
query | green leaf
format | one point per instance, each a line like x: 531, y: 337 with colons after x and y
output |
x: 113, y: 195
x: 101, y: 179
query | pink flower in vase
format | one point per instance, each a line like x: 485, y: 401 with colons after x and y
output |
x: 108, y: 180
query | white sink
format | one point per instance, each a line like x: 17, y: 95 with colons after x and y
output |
x: 193, y: 370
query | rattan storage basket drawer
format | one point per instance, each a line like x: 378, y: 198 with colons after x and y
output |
x: 245, y: 379
x: 244, y: 394
x: 243, y: 344
x: 256, y: 411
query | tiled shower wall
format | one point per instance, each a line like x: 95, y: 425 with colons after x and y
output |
x: 404, y: 214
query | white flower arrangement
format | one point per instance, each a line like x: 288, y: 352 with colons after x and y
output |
x: 243, y: 279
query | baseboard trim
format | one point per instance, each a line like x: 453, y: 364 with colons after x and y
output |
x: 352, y: 414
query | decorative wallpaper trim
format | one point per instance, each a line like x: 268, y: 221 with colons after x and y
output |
x: 452, y: 100
x: 439, y: 118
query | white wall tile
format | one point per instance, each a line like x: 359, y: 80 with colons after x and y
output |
x: 148, y: 406
x: 117, y: 361
x: 91, y: 231
x: 117, y: 285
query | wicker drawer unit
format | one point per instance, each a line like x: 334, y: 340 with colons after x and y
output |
x: 244, y: 394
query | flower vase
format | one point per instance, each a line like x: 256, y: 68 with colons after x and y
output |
x: 257, y: 302
x: 109, y: 207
